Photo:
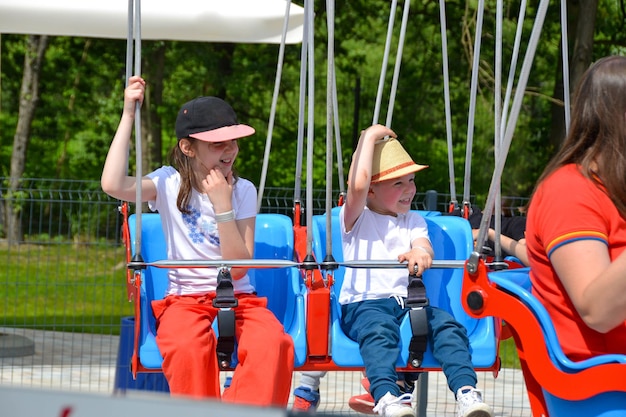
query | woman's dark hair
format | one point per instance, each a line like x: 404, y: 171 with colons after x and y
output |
x: 597, y: 136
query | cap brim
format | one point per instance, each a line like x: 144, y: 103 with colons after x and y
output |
x: 224, y: 133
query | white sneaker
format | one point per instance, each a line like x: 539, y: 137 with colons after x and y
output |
x: 470, y: 404
x: 392, y: 406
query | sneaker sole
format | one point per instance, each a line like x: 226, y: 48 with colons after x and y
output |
x: 363, y: 404
x: 480, y: 413
x: 406, y: 413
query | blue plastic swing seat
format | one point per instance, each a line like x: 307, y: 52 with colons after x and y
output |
x: 608, y: 404
x: 452, y: 239
x: 274, y: 239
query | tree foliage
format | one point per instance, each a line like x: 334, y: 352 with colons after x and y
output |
x: 82, y: 83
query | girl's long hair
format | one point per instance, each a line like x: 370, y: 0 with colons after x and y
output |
x: 184, y: 165
x: 597, y: 136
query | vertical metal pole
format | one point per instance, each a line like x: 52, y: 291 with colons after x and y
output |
x: 310, y: 125
x: 421, y: 391
x: 472, y: 105
x: 430, y: 201
x: 270, y: 128
x: 446, y: 94
x: 0, y: 73
x: 565, y: 57
x: 129, y: 41
x: 396, y: 70
x: 330, y: 111
x: 138, y: 167
x: 383, y: 70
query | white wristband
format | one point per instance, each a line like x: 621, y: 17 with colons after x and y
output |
x: 225, y: 217
x: 422, y: 248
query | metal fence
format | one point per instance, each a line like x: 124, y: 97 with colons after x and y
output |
x: 63, y: 303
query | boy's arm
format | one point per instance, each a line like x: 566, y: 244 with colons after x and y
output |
x: 420, y: 255
x: 360, y: 174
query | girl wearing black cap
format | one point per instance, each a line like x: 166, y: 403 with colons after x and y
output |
x: 207, y: 213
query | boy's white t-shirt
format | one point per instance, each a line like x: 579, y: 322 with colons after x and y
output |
x: 378, y: 237
x: 194, y: 236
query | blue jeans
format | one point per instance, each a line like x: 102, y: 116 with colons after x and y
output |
x: 375, y: 325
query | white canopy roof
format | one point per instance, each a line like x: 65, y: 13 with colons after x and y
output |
x: 240, y: 21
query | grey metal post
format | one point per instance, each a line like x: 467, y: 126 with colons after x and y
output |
x: 430, y: 200
x: 421, y: 391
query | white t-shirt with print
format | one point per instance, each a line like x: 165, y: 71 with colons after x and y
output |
x: 378, y: 237
x: 194, y: 236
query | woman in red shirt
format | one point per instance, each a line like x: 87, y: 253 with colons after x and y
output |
x: 576, y: 226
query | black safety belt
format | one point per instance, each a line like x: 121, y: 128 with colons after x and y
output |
x: 416, y: 301
x: 225, y: 300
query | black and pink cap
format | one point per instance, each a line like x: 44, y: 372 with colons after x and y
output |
x: 209, y: 119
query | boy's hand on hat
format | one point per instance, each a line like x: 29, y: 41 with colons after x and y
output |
x: 378, y: 132
x: 219, y: 188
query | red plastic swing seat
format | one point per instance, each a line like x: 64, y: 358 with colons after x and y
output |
x: 557, y: 386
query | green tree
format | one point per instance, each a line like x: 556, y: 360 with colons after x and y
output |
x: 28, y: 100
x: 83, y: 81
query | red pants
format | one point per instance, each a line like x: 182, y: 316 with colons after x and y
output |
x: 187, y: 342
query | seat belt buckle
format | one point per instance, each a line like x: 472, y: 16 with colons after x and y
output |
x: 416, y: 301
x: 225, y: 291
x: 225, y: 300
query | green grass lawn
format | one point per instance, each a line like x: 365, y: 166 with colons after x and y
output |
x: 64, y: 287
x: 508, y: 354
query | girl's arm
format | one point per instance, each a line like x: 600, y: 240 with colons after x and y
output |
x: 115, y: 180
x: 516, y: 248
x: 237, y: 242
x: 236, y: 236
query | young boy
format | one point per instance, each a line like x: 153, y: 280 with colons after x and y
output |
x: 376, y: 223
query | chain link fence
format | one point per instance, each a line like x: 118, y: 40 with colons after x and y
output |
x: 63, y: 298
